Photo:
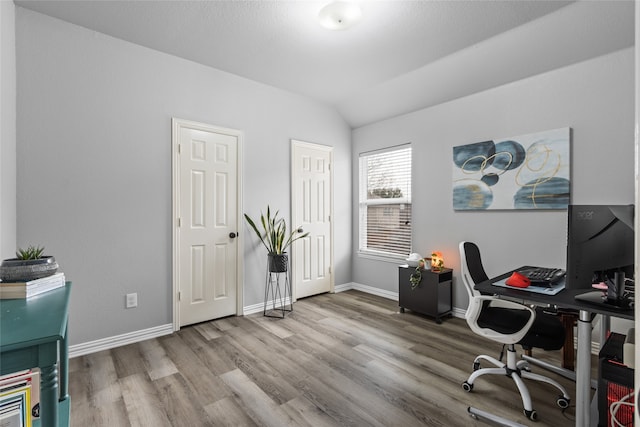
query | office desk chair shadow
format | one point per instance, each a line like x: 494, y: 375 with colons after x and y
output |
x: 509, y: 323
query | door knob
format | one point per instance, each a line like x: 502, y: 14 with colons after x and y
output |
x: 300, y: 230
x: 232, y: 235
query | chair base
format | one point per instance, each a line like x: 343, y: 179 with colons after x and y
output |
x: 517, y: 370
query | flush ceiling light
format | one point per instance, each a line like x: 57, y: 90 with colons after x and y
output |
x: 340, y: 15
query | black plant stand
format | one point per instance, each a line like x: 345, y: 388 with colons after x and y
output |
x: 273, y: 289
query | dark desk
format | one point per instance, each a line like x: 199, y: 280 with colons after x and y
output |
x: 32, y: 332
x: 566, y: 299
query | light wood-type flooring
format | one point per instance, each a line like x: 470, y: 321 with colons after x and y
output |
x: 346, y: 359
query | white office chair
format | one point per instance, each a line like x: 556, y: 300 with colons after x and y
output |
x: 509, y: 323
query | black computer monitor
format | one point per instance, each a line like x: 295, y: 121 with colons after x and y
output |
x: 600, y: 242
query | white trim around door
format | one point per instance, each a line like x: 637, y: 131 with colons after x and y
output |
x: 178, y: 127
x: 312, y: 211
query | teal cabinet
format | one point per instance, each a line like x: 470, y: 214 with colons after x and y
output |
x: 33, y: 333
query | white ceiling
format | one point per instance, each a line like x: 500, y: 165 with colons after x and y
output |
x: 402, y: 56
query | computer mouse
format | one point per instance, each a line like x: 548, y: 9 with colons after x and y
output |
x: 518, y: 280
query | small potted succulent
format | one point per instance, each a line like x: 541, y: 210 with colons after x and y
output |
x: 275, y: 238
x: 29, y: 264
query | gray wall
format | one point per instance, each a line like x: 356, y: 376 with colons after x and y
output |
x: 594, y: 98
x: 7, y: 130
x: 94, y: 164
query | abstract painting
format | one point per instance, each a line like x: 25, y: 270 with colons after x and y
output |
x: 522, y: 172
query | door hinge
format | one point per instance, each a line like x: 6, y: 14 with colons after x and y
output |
x: 329, y: 269
x: 179, y: 296
x: 179, y: 148
x: 179, y: 220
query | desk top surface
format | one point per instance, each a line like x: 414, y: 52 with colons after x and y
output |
x: 564, y: 298
x: 36, y: 320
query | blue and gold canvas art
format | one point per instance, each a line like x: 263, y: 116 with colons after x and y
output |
x: 522, y: 172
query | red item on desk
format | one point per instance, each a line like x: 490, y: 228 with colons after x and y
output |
x: 518, y: 280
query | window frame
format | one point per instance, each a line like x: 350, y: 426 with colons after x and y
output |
x: 363, y: 203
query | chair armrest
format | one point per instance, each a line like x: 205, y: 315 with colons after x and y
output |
x: 475, y: 308
x: 505, y: 303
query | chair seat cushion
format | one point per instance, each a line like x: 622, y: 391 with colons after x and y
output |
x: 546, y: 332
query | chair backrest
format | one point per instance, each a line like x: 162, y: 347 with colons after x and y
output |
x: 471, y: 267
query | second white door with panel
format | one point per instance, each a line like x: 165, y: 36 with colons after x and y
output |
x: 311, y: 212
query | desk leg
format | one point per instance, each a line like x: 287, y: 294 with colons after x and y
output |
x: 49, y: 395
x: 605, y: 328
x: 583, y: 370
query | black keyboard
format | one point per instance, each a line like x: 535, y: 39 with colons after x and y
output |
x: 543, y: 276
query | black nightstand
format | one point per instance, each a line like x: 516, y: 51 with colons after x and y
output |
x: 433, y: 296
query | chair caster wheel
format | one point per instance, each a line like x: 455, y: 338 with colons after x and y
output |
x: 476, y: 366
x: 563, y: 402
x: 467, y: 387
x: 532, y: 415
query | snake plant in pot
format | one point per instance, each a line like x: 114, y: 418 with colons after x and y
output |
x: 276, y: 238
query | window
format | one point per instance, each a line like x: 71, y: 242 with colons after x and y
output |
x: 385, y: 201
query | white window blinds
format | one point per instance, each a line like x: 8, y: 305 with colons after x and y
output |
x: 385, y: 201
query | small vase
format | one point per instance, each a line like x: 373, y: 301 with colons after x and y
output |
x: 278, y: 263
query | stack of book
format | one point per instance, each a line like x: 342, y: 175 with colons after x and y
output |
x: 19, y: 398
x: 13, y: 290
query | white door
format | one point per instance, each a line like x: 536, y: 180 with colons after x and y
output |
x: 206, y: 246
x: 312, y: 196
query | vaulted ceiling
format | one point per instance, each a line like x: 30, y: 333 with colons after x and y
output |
x: 402, y: 56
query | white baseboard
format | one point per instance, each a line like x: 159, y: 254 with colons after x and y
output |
x: 119, y: 340
x: 458, y: 312
x: 259, y: 307
x: 367, y: 289
x: 343, y: 287
x: 251, y: 309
